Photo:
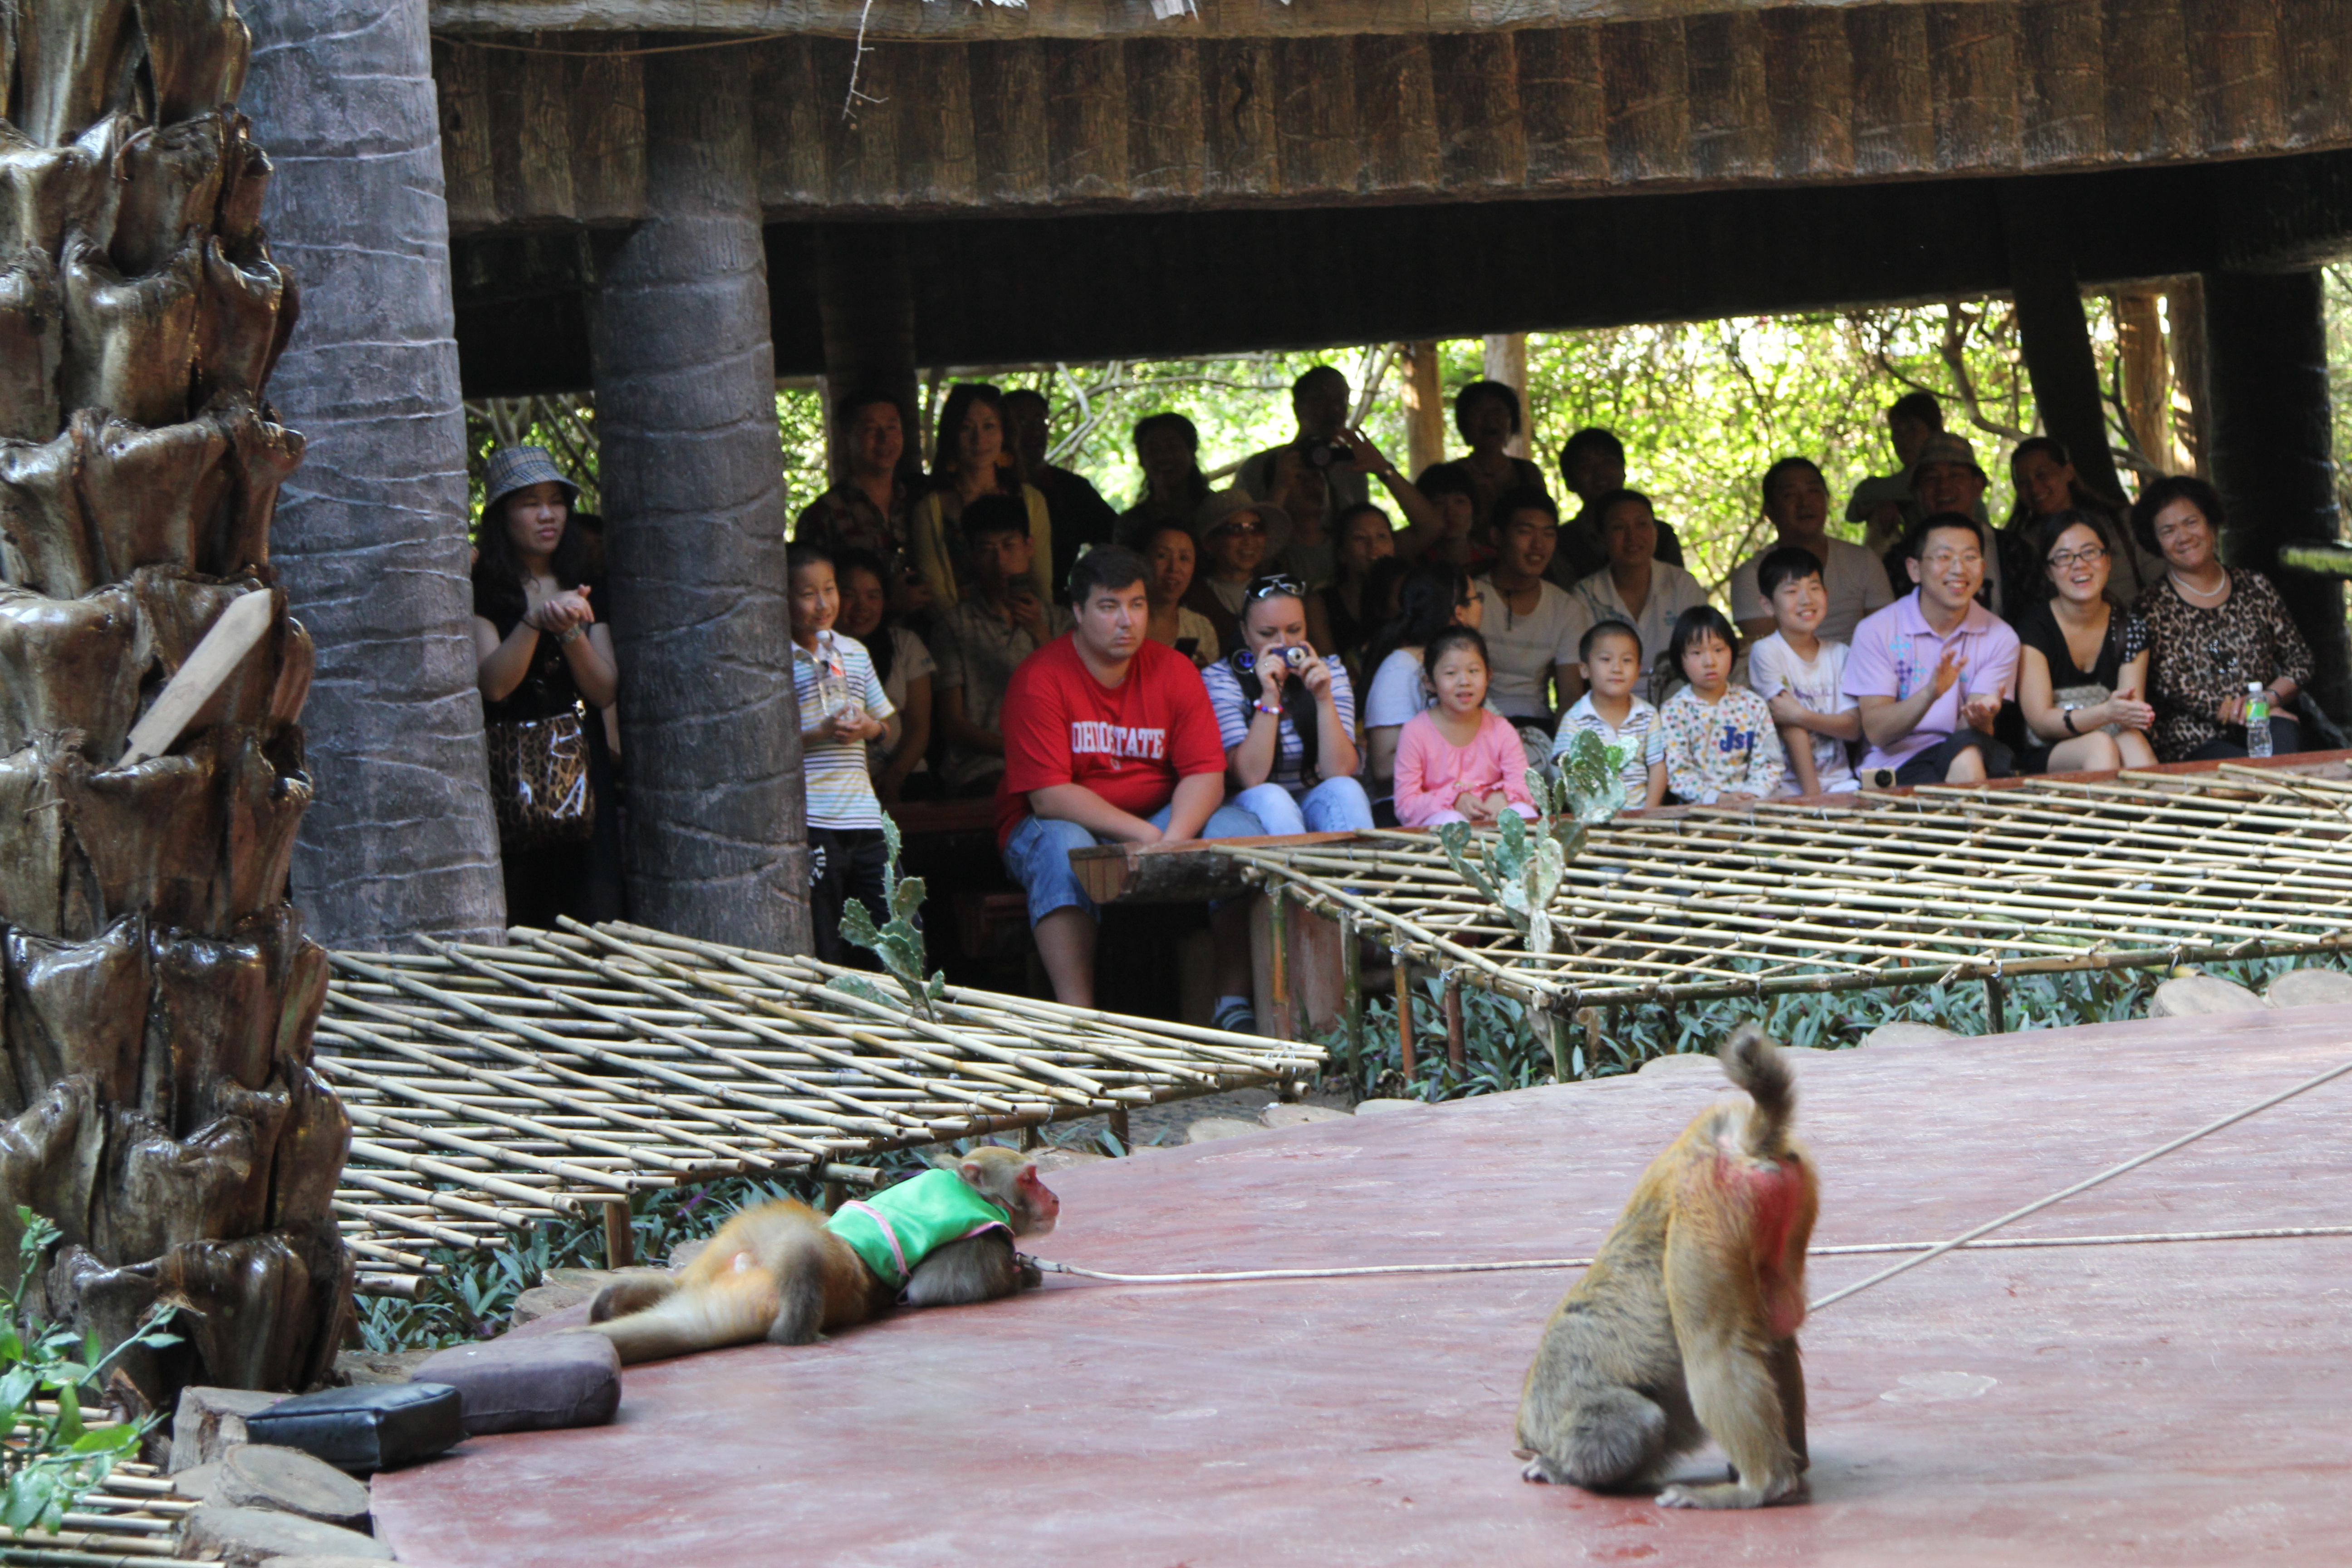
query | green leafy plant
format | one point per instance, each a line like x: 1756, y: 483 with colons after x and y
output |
x: 51, y: 1460
x: 1592, y: 778
x: 899, y: 943
x: 1500, y: 1049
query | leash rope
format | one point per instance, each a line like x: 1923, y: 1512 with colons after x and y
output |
x: 1516, y: 1264
x: 1923, y: 1251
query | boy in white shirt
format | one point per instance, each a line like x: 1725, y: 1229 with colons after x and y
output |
x: 1801, y: 676
x: 1611, y: 654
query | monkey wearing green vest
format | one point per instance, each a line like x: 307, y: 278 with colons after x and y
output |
x: 1686, y: 1325
x: 784, y: 1273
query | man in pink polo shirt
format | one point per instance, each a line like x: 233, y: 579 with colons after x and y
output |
x: 1932, y: 670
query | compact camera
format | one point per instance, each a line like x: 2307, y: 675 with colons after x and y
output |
x: 1323, y: 453
x: 1297, y: 657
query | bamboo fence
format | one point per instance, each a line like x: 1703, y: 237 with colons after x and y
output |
x: 1879, y: 891
x: 133, y: 1518
x: 491, y: 1089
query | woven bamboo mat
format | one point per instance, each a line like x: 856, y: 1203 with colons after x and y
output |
x: 491, y: 1089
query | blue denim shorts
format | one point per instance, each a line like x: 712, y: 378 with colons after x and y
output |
x: 1037, y: 855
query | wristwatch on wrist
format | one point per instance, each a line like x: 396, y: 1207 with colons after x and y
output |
x: 574, y: 635
x: 2067, y: 714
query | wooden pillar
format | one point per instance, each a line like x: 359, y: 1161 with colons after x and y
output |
x: 2148, y: 372
x: 2184, y: 309
x: 866, y: 310
x: 2266, y: 378
x: 2055, y: 336
x: 1506, y: 362
x: 1424, y: 403
x: 685, y: 369
x: 370, y: 532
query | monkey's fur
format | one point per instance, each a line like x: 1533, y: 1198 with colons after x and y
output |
x: 1686, y: 1325
x: 775, y: 1272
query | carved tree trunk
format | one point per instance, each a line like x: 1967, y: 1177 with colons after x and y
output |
x: 371, y: 536
x: 156, y: 1100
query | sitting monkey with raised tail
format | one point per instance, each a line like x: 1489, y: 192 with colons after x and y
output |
x: 1686, y: 1325
x: 784, y: 1273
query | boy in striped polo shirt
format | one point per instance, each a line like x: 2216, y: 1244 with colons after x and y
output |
x: 842, y: 708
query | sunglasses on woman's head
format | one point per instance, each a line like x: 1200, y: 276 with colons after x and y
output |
x: 1276, y: 588
x: 1251, y: 525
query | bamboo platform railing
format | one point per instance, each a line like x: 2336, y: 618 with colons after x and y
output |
x: 133, y: 1518
x: 1881, y: 890
x: 491, y: 1089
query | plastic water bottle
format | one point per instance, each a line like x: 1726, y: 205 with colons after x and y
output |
x: 2258, y: 719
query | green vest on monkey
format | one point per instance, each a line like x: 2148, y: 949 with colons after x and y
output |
x: 898, y: 1227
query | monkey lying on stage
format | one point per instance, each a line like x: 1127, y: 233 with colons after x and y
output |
x: 1686, y: 1325
x: 784, y: 1273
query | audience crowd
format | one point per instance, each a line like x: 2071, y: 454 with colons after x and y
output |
x: 1325, y: 644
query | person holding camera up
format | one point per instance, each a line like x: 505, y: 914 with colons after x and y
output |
x: 1287, y: 719
x: 1321, y: 400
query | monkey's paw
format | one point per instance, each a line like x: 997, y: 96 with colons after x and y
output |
x: 1538, y: 1469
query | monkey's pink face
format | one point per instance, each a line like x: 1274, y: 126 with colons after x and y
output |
x: 1039, y: 1200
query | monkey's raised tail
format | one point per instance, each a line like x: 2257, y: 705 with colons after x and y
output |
x: 1754, y: 1063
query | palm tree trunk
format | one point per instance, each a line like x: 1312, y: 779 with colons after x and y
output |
x: 372, y: 535
x: 157, y: 1102
x: 692, y: 472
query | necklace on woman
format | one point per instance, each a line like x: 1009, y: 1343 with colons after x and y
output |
x: 2186, y: 590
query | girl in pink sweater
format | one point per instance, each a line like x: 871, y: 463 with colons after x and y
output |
x: 1458, y: 762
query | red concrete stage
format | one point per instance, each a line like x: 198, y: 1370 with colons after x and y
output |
x: 2124, y: 1404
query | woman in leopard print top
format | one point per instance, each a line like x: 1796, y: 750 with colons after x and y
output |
x: 2217, y: 629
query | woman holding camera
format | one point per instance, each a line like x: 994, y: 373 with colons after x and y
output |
x: 1287, y: 718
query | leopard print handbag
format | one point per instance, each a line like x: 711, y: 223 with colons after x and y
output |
x: 539, y: 780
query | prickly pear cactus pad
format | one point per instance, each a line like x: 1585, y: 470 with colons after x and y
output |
x: 157, y: 1103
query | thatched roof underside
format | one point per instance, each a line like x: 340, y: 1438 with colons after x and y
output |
x: 1179, y: 117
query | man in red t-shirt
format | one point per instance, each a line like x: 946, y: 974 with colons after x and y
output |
x: 1108, y: 738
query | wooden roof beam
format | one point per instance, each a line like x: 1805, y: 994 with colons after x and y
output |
x: 967, y: 21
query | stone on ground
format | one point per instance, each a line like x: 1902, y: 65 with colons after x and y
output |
x: 1051, y: 1160
x: 1281, y: 1115
x: 209, y: 1421
x: 1683, y: 1061
x: 2310, y: 988
x: 2203, y: 995
x: 241, y: 1537
x: 197, y: 1482
x: 1381, y: 1106
x: 561, y: 1288
x: 260, y: 1474
x: 1909, y: 1033
x: 312, y: 1560
x: 360, y: 1369
x: 1209, y: 1129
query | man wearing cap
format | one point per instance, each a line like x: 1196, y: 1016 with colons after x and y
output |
x: 1236, y: 533
x: 1945, y: 478
x: 1931, y: 670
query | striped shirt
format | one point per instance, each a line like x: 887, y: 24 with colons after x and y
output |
x: 1233, y: 716
x: 840, y: 792
x: 1634, y: 735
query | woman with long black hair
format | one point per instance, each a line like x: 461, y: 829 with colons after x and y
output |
x: 545, y: 667
x: 975, y: 457
x: 1436, y: 595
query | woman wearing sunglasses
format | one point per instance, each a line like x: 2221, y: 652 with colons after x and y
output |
x: 1287, y: 718
x: 1237, y: 535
